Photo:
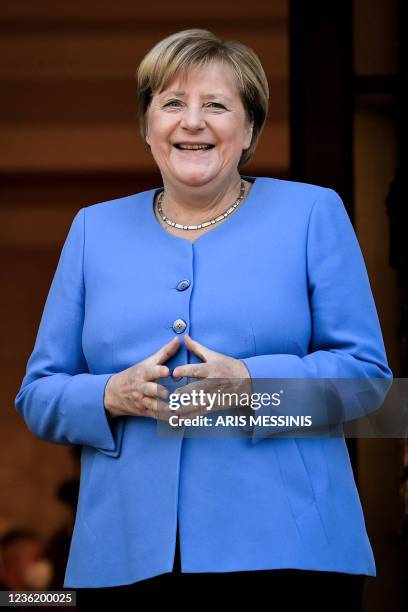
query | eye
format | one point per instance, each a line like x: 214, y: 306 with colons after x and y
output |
x: 177, y: 102
x: 171, y: 102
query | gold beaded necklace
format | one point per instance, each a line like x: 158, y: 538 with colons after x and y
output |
x: 205, y: 223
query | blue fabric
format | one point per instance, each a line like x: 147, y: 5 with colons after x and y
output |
x: 281, y: 285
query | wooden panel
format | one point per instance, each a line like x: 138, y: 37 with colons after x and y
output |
x: 113, y: 54
x: 34, y: 227
x: 59, y: 189
x: 92, y: 101
x: 37, y: 212
x: 98, y: 12
x: 30, y: 469
x: 105, y: 147
x: 375, y: 52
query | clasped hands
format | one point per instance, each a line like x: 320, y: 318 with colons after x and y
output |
x: 135, y: 392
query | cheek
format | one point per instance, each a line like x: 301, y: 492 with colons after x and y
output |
x: 233, y: 134
x: 159, y: 129
x: 233, y: 141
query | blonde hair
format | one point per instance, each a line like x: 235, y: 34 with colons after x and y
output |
x: 184, y: 50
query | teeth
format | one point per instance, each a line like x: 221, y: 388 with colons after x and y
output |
x: 194, y: 147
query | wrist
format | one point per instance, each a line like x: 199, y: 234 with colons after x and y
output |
x: 109, y: 398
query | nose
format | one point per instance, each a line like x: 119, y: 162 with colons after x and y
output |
x: 192, y: 118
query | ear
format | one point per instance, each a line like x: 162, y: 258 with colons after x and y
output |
x: 248, y: 135
x: 146, y: 127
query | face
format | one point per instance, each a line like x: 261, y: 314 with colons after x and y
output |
x: 203, y: 108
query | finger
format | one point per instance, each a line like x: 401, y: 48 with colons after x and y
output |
x: 190, y: 411
x: 151, y: 389
x: 191, y: 414
x: 187, y: 408
x: 156, y: 371
x: 156, y: 407
x: 199, y: 349
x: 191, y: 370
x: 206, y: 385
x: 167, y: 351
x: 200, y: 389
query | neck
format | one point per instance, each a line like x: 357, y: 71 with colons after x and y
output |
x: 192, y: 205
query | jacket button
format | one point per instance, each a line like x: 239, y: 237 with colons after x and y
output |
x: 183, y: 284
x: 179, y: 326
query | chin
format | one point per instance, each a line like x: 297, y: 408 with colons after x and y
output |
x: 196, y: 178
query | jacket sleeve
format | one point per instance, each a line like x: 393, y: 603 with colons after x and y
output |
x: 346, y: 340
x: 60, y: 401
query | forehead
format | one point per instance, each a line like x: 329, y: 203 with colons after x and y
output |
x: 213, y: 80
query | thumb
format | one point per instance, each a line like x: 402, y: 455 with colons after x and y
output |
x: 199, y: 349
x: 166, y: 351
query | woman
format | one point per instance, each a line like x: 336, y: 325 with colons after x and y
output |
x: 213, y: 275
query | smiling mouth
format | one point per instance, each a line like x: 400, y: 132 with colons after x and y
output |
x: 194, y: 148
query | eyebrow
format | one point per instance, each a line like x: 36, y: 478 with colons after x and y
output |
x: 182, y: 93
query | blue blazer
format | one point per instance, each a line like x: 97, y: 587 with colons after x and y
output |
x: 281, y: 285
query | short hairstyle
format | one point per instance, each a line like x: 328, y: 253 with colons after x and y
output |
x: 180, y: 52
